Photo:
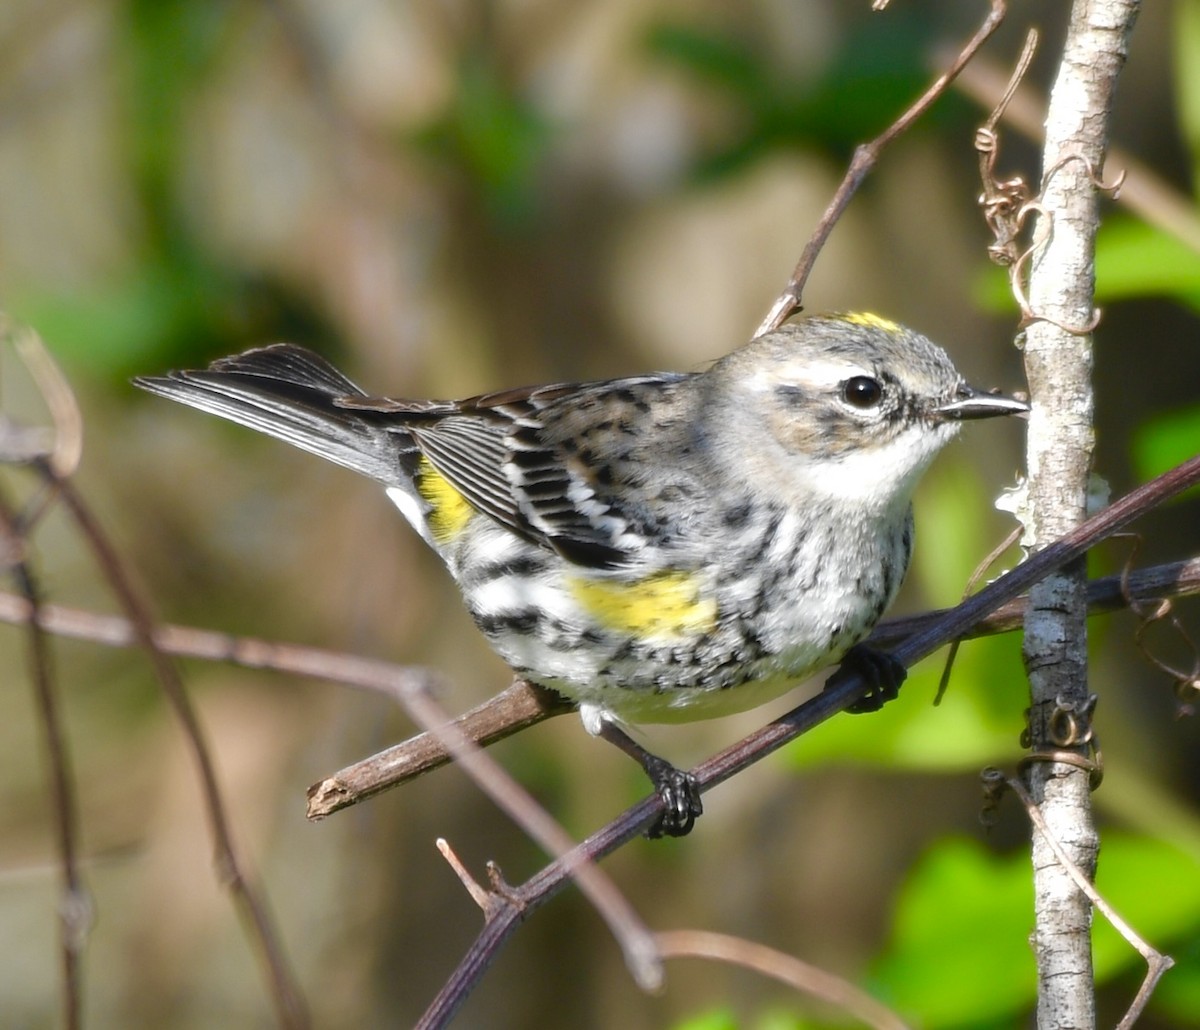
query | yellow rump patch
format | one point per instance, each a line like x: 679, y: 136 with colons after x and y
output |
x: 666, y: 604
x: 449, y: 511
x: 870, y: 321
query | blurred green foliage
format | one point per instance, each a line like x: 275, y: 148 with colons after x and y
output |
x: 1133, y: 260
x: 959, y: 954
x: 851, y: 98
x: 1166, y: 441
x: 1185, y: 38
x: 174, y: 302
x: 494, y: 140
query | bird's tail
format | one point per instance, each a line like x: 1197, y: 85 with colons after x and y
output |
x: 294, y: 395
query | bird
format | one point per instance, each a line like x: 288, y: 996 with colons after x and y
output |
x: 660, y: 547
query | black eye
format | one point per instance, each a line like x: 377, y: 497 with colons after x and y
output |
x: 862, y: 392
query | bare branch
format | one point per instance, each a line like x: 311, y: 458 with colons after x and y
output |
x: 799, y: 975
x: 788, y: 302
x: 59, y: 397
x: 289, y: 1003
x: 1058, y: 364
x: 517, y: 708
x: 637, y: 944
x: 522, y: 704
x: 1157, y: 963
x: 74, y: 906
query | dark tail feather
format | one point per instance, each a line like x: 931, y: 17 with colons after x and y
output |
x: 290, y: 393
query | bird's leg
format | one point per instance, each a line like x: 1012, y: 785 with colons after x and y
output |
x: 882, y: 672
x: 678, y: 789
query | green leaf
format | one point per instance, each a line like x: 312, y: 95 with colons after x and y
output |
x: 1134, y: 259
x: 1154, y: 887
x: 959, y: 954
x: 717, y: 1019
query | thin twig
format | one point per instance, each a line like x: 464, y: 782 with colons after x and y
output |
x: 636, y: 942
x: 479, y: 894
x: 986, y: 563
x: 519, y: 706
x: 1162, y: 611
x: 59, y: 398
x: 290, y: 1007
x: 516, y: 708
x: 1144, y: 192
x: 865, y: 155
x: 787, y: 969
x: 1156, y: 962
x: 74, y: 905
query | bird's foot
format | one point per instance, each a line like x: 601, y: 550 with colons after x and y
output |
x: 678, y: 790
x: 882, y: 673
x: 680, y: 796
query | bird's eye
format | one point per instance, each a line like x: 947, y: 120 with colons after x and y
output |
x: 862, y: 392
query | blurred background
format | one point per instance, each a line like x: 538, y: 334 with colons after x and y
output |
x: 449, y: 197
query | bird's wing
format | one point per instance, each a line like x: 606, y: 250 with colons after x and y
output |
x: 572, y: 466
x: 559, y: 464
x: 578, y: 462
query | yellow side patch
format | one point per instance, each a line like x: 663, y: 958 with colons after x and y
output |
x: 449, y: 511
x: 870, y: 321
x: 666, y: 604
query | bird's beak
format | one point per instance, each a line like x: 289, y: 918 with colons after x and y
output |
x: 972, y: 403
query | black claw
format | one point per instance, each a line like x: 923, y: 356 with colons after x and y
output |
x: 679, y: 791
x: 680, y: 796
x: 883, y: 674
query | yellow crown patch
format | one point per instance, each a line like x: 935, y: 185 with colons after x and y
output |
x: 870, y: 321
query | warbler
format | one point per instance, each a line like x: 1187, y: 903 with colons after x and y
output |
x: 657, y: 548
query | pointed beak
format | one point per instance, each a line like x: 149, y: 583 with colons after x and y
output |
x: 972, y: 403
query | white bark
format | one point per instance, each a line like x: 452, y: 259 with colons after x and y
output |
x: 1059, y: 364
